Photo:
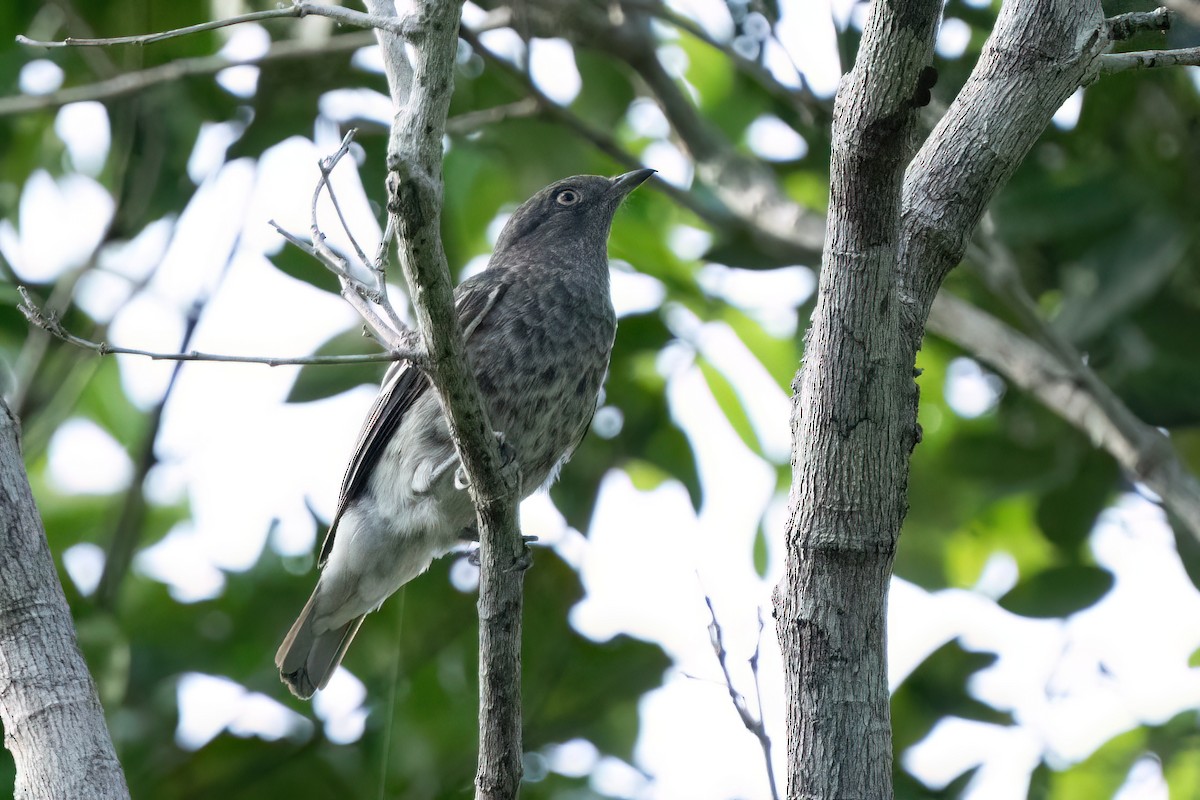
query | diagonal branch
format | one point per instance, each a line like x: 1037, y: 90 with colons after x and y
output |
x: 298, y: 8
x: 985, y: 134
x: 1068, y: 388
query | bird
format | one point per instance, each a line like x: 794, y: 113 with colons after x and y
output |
x: 538, y: 325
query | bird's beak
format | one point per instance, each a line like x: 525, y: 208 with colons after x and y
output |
x: 622, y: 185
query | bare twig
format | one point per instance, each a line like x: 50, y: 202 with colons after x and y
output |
x: 133, y: 82
x: 363, y: 298
x: 756, y: 726
x: 326, y: 165
x: 379, y: 294
x: 1111, y: 63
x: 299, y: 8
x: 1124, y: 26
x: 1066, y: 384
x: 50, y: 323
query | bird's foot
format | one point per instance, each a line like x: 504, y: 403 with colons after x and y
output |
x: 510, y: 471
x: 523, y: 561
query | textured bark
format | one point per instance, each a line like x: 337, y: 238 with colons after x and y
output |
x: 854, y: 411
x: 415, y: 196
x: 853, y: 427
x: 53, y: 722
x: 1039, y: 53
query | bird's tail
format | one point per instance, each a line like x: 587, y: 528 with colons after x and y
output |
x: 307, y: 659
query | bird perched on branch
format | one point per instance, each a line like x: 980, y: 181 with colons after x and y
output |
x: 539, y: 326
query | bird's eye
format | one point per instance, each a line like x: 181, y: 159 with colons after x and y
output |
x: 567, y: 197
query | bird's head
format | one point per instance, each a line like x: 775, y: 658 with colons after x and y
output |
x: 574, y: 213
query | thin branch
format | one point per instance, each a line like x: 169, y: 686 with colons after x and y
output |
x: 764, y: 739
x: 1072, y: 391
x: 379, y: 294
x: 1111, y: 63
x: 415, y: 198
x: 50, y: 323
x: 1124, y: 26
x: 802, y: 101
x: 133, y: 82
x: 755, y: 725
x: 299, y: 8
x: 602, y: 140
x: 355, y: 292
x: 128, y: 527
x: 472, y: 121
x: 326, y: 165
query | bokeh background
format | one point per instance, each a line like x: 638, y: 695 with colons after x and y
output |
x: 1044, y: 618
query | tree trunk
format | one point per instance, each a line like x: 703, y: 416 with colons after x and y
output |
x: 53, y: 722
x: 889, y: 245
x: 853, y: 427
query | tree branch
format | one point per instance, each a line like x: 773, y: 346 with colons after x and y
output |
x: 133, y: 82
x: 756, y: 726
x: 748, y: 189
x: 53, y: 722
x: 1068, y: 388
x: 987, y: 131
x: 50, y: 323
x: 415, y: 198
x: 128, y: 527
x: 1124, y: 26
x: 802, y: 101
x: 298, y: 8
x: 1112, y: 63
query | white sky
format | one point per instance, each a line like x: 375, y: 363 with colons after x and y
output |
x: 1071, y: 685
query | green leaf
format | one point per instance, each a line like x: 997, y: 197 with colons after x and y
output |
x: 1058, y: 591
x: 730, y: 404
x: 937, y: 689
x: 1066, y: 514
x: 1100, y: 774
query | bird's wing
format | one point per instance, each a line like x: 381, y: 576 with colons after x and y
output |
x: 402, y: 386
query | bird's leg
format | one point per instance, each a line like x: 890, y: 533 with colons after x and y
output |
x: 425, y: 480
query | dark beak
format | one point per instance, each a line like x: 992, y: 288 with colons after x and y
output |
x: 622, y: 185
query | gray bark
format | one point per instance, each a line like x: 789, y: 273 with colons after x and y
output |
x: 415, y: 197
x: 53, y: 722
x: 853, y: 426
x: 889, y: 246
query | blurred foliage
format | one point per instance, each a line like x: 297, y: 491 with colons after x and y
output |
x: 1102, y: 219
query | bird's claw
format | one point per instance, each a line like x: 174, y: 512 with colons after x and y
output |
x: 523, y: 561
x: 508, y: 458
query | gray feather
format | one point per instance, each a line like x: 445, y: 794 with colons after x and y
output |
x: 539, y: 327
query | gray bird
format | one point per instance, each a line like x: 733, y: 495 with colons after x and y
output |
x: 539, y: 326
